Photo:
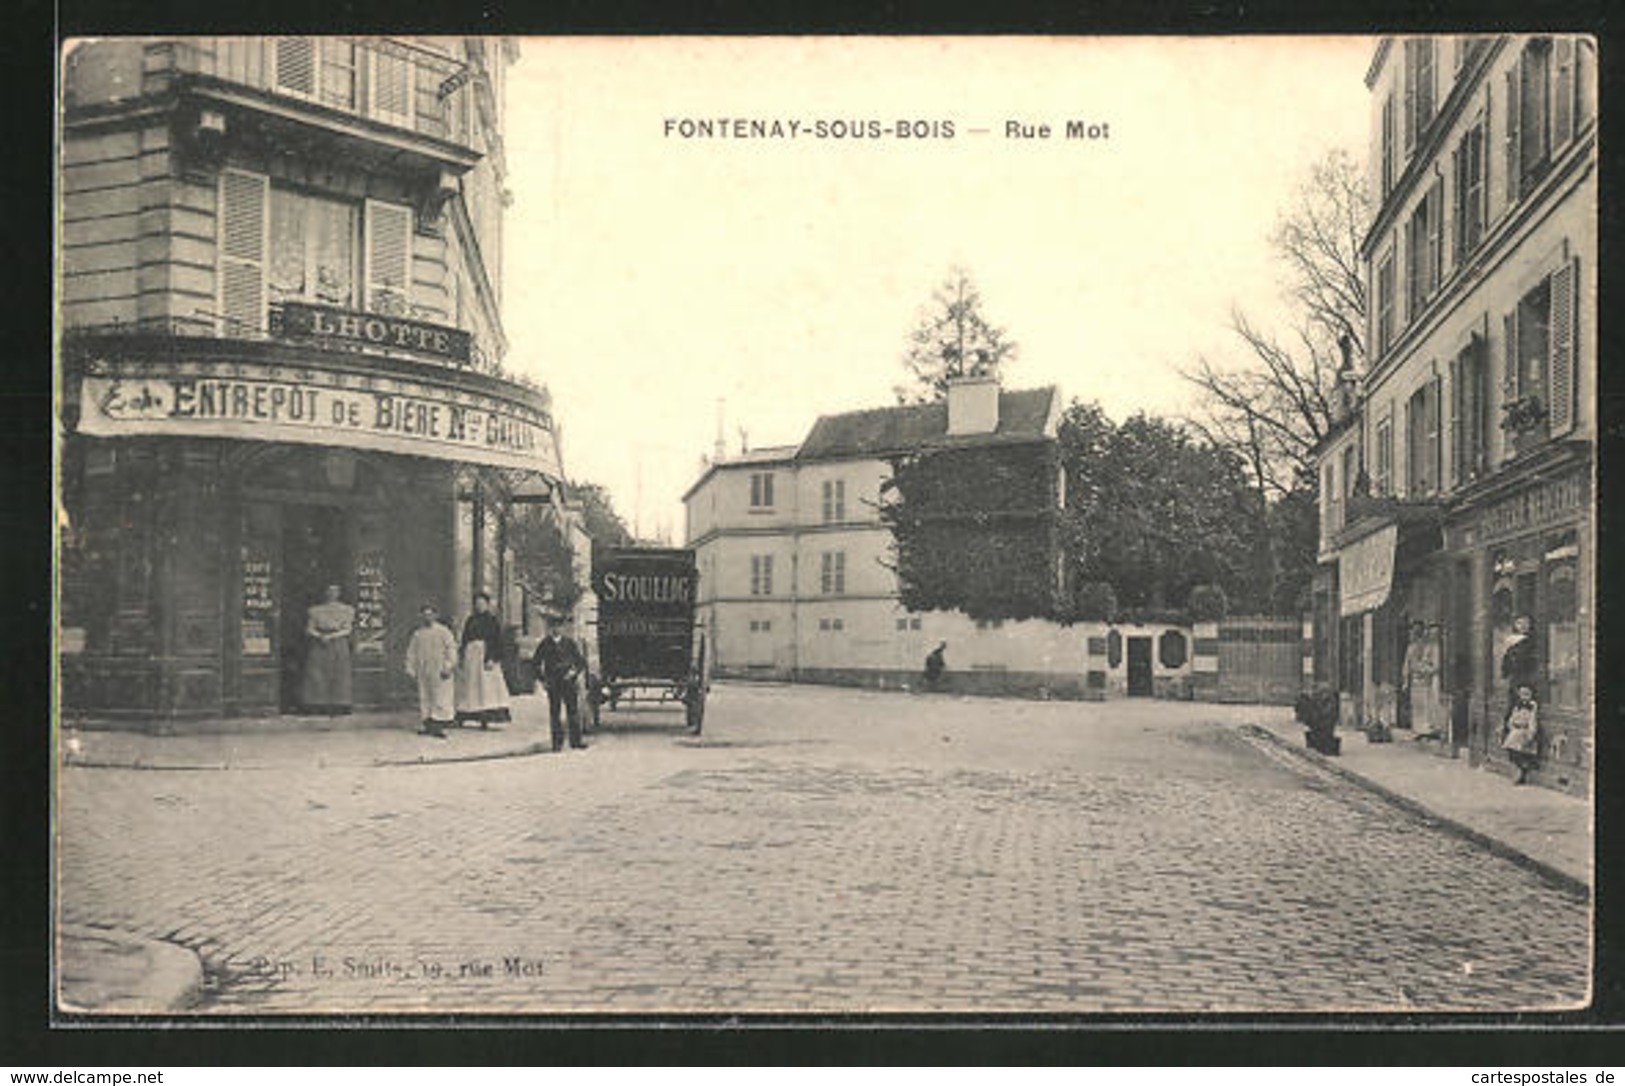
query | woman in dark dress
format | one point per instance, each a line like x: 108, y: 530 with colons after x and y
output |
x: 482, y: 692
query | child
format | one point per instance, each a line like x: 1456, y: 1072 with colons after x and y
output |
x: 1520, y: 733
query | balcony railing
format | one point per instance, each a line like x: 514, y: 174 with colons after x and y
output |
x: 381, y: 79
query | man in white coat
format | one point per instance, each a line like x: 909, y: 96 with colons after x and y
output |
x: 431, y: 659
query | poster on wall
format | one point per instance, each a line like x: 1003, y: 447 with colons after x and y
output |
x: 259, y: 598
x: 370, y: 616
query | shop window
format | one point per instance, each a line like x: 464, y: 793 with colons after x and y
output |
x: 1560, y: 612
x: 1350, y: 645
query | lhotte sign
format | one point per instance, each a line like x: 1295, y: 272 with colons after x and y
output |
x: 345, y: 327
x: 269, y: 403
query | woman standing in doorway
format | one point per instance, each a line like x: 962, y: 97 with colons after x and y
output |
x: 482, y: 692
x: 325, y: 685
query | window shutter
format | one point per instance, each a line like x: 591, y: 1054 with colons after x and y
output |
x: 296, y: 65
x: 1458, y: 410
x: 1512, y: 134
x: 1435, y: 236
x: 1509, y: 334
x: 1435, y: 443
x: 1563, y: 103
x: 389, y: 256
x: 1560, y: 358
x: 391, y: 88
x: 1410, y: 95
x: 242, y: 243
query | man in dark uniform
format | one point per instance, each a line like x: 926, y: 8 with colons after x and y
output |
x: 560, y: 664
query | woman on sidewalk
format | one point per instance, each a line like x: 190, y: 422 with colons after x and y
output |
x: 482, y: 691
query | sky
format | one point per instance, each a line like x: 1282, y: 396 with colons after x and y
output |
x: 658, y: 282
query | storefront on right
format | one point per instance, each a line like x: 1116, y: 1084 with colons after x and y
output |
x: 1520, y: 554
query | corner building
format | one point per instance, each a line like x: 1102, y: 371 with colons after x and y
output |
x: 1457, y: 490
x: 280, y: 363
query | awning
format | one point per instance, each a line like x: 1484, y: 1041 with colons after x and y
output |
x: 1366, y: 570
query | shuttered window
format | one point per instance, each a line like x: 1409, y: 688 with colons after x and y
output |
x: 391, y: 87
x: 296, y: 65
x: 241, y: 264
x: 1513, y: 171
x: 1562, y: 93
x: 1560, y: 372
x: 389, y: 256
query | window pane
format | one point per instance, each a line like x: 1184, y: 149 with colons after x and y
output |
x: 333, y: 251
x: 286, y: 276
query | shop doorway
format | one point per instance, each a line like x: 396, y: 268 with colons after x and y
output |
x: 315, y: 554
x: 1139, y: 667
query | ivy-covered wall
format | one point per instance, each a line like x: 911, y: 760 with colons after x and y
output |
x: 977, y: 529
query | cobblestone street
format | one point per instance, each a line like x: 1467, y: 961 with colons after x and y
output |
x: 822, y: 850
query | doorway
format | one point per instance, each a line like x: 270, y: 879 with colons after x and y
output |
x: 315, y: 554
x: 1139, y: 667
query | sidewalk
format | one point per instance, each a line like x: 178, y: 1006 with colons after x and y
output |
x: 1538, y: 827
x: 372, y: 739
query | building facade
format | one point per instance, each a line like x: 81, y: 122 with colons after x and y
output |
x: 1456, y: 490
x: 281, y: 362
x: 796, y: 565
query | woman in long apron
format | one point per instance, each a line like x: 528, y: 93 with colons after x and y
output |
x: 482, y: 692
x: 325, y: 686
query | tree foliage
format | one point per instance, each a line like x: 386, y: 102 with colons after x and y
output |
x: 952, y: 339
x: 604, y: 525
x: 543, y: 561
x: 976, y: 530
x: 1155, y: 510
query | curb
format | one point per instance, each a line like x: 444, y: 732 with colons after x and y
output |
x: 1559, y: 879
x: 375, y: 763
x: 105, y: 971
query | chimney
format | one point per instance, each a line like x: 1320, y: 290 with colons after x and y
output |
x: 973, y: 405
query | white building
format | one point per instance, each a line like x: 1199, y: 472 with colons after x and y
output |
x: 1456, y: 491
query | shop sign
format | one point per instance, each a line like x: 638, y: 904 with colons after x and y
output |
x: 260, y: 403
x: 375, y: 330
x: 1532, y: 510
x: 1366, y: 570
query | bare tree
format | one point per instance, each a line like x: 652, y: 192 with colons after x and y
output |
x: 952, y: 339
x: 1274, y: 407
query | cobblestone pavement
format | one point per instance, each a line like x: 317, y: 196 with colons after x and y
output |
x: 823, y: 850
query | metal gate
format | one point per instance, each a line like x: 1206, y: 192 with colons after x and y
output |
x: 1260, y: 660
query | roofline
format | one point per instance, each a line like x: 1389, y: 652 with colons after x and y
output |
x: 1378, y: 59
x: 717, y: 465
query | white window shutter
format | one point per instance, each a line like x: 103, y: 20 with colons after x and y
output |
x: 1512, y: 154
x: 391, y: 88
x: 1562, y: 93
x: 389, y: 256
x: 296, y: 65
x: 242, y: 227
x: 1560, y: 358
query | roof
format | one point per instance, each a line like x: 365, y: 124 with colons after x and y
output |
x: 1024, y: 415
x: 767, y: 454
